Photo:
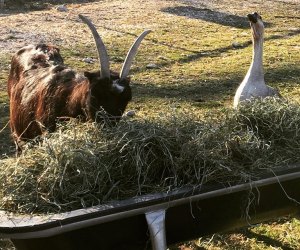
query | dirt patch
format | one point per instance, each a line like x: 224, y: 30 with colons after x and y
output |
x: 38, y: 5
x: 20, y: 26
x: 209, y: 15
x: 13, y: 39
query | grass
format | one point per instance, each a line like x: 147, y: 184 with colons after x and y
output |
x: 4, y: 107
x: 142, y: 156
x: 199, y: 68
x: 280, y: 234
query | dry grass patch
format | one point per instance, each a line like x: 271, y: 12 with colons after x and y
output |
x: 82, y: 165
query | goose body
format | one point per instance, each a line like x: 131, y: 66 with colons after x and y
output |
x: 253, y: 85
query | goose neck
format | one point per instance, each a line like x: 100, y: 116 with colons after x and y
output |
x: 256, y: 70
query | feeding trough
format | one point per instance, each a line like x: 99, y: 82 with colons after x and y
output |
x: 162, y: 218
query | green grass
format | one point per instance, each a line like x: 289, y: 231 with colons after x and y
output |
x: 280, y: 234
x: 6, y: 245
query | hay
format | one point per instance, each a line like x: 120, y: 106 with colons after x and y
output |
x: 82, y: 165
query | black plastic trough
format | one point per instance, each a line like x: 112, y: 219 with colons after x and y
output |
x: 173, y: 217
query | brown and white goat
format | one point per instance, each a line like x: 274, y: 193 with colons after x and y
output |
x: 42, y: 90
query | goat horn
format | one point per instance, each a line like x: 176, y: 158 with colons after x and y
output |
x: 131, y: 54
x: 102, y: 53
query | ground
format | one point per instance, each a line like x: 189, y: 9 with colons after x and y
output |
x: 200, y: 50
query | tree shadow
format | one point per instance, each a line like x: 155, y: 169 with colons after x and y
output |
x: 154, y: 41
x: 286, y: 74
x: 196, y: 55
x: 7, y: 147
x: 197, y: 93
x: 200, y: 91
x: 209, y: 15
x: 13, y: 7
x: 267, y: 240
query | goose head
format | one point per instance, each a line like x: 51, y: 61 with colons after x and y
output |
x: 257, y: 25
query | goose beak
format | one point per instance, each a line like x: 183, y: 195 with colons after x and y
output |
x: 256, y: 24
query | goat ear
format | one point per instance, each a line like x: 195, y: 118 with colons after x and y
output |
x: 41, y: 46
x: 96, y: 80
x: 87, y: 74
x: 91, y: 75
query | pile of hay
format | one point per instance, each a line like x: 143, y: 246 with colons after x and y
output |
x: 82, y: 165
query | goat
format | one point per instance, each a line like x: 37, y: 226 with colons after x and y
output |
x: 253, y: 85
x: 42, y: 90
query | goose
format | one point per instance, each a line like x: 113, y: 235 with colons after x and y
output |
x: 253, y: 85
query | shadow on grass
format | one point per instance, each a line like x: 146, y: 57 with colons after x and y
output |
x: 287, y: 74
x: 265, y: 239
x: 196, y: 92
x: 196, y: 55
x: 151, y: 40
x: 200, y: 91
x: 206, y: 53
x: 209, y: 15
x: 7, y: 147
x: 218, y: 51
x: 13, y: 7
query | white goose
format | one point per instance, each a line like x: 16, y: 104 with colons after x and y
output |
x: 253, y: 85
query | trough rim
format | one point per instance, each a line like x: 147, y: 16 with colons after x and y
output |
x: 37, y: 226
